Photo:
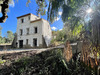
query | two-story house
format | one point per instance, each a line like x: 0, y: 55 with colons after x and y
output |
x: 33, y: 31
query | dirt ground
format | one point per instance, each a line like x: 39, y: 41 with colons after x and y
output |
x: 13, y: 56
x: 17, y: 54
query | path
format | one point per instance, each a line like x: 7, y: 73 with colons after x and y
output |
x: 36, y: 50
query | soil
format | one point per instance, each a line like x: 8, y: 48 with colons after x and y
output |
x: 17, y: 55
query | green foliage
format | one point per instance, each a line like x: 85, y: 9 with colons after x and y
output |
x: 2, y: 40
x: 77, y: 30
x: 2, y: 61
x: 53, y: 8
x: 10, y: 36
x: 59, y: 37
x: 8, y: 39
x: 41, y: 64
x: 47, y: 63
x: 69, y: 8
x: 41, y: 7
x: 0, y: 30
x: 67, y: 34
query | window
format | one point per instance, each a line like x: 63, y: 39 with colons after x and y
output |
x: 22, y: 20
x: 27, y: 31
x: 35, y: 28
x: 21, y: 31
x: 26, y: 41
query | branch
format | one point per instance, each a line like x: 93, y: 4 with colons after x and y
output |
x: 4, y: 7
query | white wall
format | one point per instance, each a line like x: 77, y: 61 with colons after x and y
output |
x: 31, y: 35
x: 47, y: 33
x: 33, y: 17
x: 43, y: 28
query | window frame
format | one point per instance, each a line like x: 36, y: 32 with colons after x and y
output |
x: 21, y: 32
x: 22, y: 20
x: 27, y: 29
x: 35, y: 30
x: 27, y: 41
x: 29, y: 18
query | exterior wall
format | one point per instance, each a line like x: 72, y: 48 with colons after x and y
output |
x: 26, y: 20
x: 31, y: 34
x: 47, y: 33
x: 33, y: 17
x: 43, y: 30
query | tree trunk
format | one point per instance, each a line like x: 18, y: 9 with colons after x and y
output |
x: 96, y: 30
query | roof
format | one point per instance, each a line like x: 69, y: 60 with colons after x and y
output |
x: 35, y: 20
x: 31, y: 21
x: 38, y: 20
x: 23, y: 15
x: 26, y: 15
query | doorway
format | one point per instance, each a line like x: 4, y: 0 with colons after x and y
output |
x: 35, y: 42
x: 20, y: 43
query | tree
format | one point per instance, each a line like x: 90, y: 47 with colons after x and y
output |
x: 71, y: 10
x: 53, y: 8
x: 10, y: 36
x: 3, y: 40
x: 4, y: 6
x: 0, y: 39
x: 0, y: 30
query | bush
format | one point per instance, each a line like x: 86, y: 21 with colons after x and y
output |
x: 47, y: 63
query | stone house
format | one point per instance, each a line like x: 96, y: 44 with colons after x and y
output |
x: 33, y: 31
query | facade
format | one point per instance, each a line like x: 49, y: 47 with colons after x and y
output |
x: 33, y: 31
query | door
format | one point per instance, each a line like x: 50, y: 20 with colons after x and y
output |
x: 20, y: 43
x: 35, y: 42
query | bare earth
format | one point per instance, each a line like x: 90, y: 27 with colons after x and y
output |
x: 14, y: 55
x: 24, y: 50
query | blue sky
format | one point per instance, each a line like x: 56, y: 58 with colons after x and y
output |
x: 19, y: 8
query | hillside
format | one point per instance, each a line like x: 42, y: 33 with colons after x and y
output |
x: 46, y: 63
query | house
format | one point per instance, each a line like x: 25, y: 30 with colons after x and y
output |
x: 33, y: 31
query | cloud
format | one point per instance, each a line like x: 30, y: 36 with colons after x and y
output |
x: 60, y: 13
x: 53, y: 28
x: 56, y: 19
x: 11, y: 3
x: 60, y: 29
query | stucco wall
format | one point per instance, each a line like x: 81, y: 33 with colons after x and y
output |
x: 47, y: 33
x: 33, y: 17
x: 43, y: 28
x: 31, y: 34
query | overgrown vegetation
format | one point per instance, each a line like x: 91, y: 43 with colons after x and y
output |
x: 47, y: 63
x: 2, y: 61
x: 8, y: 37
x: 60, y: 37
x: 81, y: 25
